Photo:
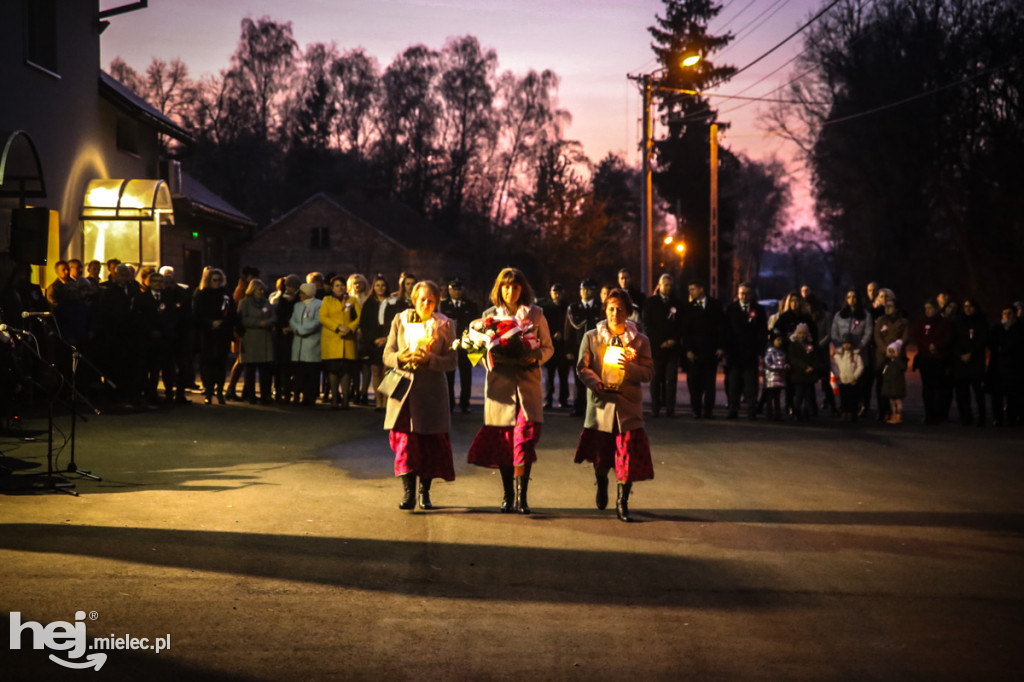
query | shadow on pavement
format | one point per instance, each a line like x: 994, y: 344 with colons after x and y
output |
x: 433, y: 569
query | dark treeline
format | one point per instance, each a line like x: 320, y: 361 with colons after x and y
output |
x: 482, y: 154
x: 912, y: 126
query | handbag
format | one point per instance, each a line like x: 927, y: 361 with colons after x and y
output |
x: 394, y: 384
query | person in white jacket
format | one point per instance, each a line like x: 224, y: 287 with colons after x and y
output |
x: 848, y: 366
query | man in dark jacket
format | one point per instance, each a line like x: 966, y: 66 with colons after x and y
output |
x: 581, y: 317
x: 159, y: 321
x: 933, y: 335
x: 662, y: 316
x: 179, y: 296
x: 703, y: 345
x: 462, y: 311
x: 626, y: 284
x: 118, y: 331
x: 1005, y: 379
x: 746, y: 329
x: 555, y: 310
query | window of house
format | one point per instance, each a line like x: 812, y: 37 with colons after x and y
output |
x: 320, y: 238
x: 128, y: 136
x: 41, y: 34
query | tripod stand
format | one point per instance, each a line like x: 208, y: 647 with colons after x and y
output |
x: 53, y: 481
x: 76, y: 357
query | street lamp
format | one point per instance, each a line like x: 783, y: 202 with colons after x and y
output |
x: 649, y: 82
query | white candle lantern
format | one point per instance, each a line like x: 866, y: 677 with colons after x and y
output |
x: 613, y: 371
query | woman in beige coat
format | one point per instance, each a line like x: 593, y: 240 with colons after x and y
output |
x: 513, y: 399
x: 613, y: 433
x: 419, y: 346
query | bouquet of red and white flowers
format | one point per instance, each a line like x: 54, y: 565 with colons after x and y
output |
x: 509, y: 337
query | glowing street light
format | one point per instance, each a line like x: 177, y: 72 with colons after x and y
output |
x: 648, y: 83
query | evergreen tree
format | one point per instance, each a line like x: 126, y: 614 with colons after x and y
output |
x: 682, y: 176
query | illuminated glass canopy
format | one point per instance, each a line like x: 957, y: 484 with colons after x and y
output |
x: 127, y: 200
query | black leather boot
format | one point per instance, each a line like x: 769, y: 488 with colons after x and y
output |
x: 508, y: 502
x: 522, y: 483
x: 409, y: 487
x: 602, y: 491
x: 622, y: 502
x: 425, y: 494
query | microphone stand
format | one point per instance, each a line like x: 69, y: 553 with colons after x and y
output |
x: 77, y: 357
x: 54, y: 482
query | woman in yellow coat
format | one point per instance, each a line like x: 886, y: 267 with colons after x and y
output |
x: 339, y: 320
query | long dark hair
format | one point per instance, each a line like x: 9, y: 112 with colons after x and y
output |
x: 512, y: 276
x: 857, y: 311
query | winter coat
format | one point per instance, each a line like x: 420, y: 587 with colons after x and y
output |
x: 847, y: 366
x: 375, y: 319
x: 1006, y: 369
x: 746, y: 333
x: 305, y: 324
x: 339, y: 314
x: 776, y: 366
x: 624, y: 408
x: 887, y: 329
x: 970, y: 337
x: 894, y: 379
x: 257, y: 342
x: 934, y: 331
x: 847, y: 321
x: 511, y: 387
x: 427, y: 396
x: 802, y: 356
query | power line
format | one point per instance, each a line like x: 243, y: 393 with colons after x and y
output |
x: 737, y: 15
x: 799, y: 76
x: 785, y: 40
x: 776, y: 6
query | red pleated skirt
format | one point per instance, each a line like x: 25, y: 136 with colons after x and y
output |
x: 428, y: 455
x: 629, y: 453
x: 496, y: 446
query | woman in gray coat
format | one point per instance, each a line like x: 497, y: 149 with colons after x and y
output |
x: 613, y: 433
x: 419, y: 346
x: 513, y: 400
x: 257, y: 317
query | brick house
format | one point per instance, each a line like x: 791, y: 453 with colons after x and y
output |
x: 349, y: 234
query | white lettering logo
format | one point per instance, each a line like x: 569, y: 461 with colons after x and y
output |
x: 60, y: 636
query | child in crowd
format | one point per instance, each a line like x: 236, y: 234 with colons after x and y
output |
x: 775, y: 368
x: 848, y: 365
x: 803, y: 372
x: 894, y: 381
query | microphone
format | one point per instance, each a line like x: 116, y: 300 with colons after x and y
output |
x: 13, y: 330
x: 27, y: 314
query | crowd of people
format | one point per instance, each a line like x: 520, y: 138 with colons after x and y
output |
x: 346, y: 340
x: 319, y: 338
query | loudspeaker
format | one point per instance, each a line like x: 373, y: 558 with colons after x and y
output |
x: 30, y: 230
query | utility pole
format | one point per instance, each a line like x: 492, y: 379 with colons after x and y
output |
x: 713, y: 213
x: 647, y: 215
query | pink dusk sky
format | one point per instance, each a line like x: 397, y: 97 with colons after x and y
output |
x: 591, y: 44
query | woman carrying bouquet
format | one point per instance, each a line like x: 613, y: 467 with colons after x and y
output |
x: 513, y: 399
x: 613, y: 432
x: 420, y: 345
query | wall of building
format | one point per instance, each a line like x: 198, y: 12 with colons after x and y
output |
x: 73, y: 129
